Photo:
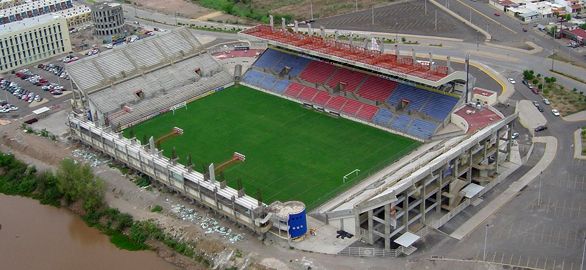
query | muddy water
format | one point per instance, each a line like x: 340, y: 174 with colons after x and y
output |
x: 35, y: 236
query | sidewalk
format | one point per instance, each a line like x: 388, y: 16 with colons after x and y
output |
x: 512, y: 190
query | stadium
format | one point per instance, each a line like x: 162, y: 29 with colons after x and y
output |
x: 315, y: 131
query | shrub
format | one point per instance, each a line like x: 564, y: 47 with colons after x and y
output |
x: 156, y: 209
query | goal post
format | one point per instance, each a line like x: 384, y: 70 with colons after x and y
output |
x: 179, y: 106
x: 352, y: 173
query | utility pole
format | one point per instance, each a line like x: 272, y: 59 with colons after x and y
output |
x: 425, y: 5
x: 485, y: 240
x: 356, y: 5
x: 467, y: 61
x: 552, y: 57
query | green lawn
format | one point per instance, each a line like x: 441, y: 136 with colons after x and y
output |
x: 292, y: 153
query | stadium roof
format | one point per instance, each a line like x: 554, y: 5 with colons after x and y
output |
x: 388, y: 63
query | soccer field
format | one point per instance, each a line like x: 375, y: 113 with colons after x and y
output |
x: 292, y: 153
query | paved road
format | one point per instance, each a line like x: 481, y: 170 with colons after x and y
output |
x: 507, y: 30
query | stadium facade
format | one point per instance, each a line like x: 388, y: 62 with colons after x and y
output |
x: 130, y: 84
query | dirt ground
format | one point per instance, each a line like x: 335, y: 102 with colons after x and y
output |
x: 185, y: 8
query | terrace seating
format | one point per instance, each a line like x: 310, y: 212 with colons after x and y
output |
x: 296, y: 63
x: 401, y: 123
x: 377, y: 89
x: 351, y: 107
x: 145, y: 55
x: 322, y: 98
x: 383, y: 117
x: 253, y: 77
x: 281, y: 86
x: 367, y: 112
x: 294, y: 90
x: 307, y: 94
x: 416, y: 97
x: 350, y: 77
x: 277, y: 60
x: 439, y: 106
x: 317, y: 72
x: 422, y: 129
x: 268, y: 59
x: 336, y: 103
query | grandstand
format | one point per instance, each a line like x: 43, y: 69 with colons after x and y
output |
x: 132, y: 82
x: 423, y: 188
x: 354, y: 93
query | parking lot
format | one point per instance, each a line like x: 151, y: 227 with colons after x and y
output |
x: 21, y: 88
x: 402, y: 17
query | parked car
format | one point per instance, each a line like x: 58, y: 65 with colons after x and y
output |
x: 536, y: 103
x: 515, y: 135
x: 540, y: 128
x: 555, y: 112
x: 535, y: 90
x: 546, y: 101
x: 511, y: 80
x: 497, y: 14
x: 539, y: 108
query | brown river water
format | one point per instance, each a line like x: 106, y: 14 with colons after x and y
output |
x: 35, y: 236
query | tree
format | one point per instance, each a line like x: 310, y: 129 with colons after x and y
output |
x: 528, y: 75
x: 77, y: 182
x: 568, y: 17
x: 535, y: 81
x: 583, y: 26
x: 540, y: 86
x: 552, y: 79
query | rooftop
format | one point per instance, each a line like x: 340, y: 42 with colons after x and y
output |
x: 402, y: 66
x: 29, y: 7
x: 483, y: 92
x: 579, y: 33
x: 478, y: 118
x: 27, y: 23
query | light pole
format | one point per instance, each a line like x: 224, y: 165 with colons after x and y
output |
x: 356, y: 5
x: 485, y: 240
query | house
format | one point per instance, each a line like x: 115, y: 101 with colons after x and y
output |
x: 577, y: 34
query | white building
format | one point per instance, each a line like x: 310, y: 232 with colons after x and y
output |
x: 31, y: 40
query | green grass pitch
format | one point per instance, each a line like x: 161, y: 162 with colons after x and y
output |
x: 292, y: 153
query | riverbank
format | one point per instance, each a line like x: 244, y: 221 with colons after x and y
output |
x: 179, y: 217
x: 74, y: 187
x: 36, y: 236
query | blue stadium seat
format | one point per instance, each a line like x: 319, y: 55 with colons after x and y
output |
x: 382, y: 117
x: 422, y: 129
x: 277, y: 60
x: 281, y: 86
x: 401, y: 123
x: 439, y: 106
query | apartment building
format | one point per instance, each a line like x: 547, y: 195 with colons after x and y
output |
x: 33, y: 39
